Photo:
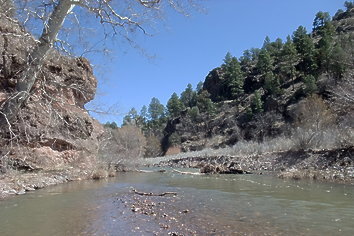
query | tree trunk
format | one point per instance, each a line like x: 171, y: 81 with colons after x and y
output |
x: 28, y: 75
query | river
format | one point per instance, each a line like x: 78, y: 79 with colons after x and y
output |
x: 204, y: 205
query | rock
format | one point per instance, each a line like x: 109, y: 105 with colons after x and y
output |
x: 221, y: 169
x: 21, y: 192
x: 53, y: 128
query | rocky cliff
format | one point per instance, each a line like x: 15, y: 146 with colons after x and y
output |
x: 53, y: 129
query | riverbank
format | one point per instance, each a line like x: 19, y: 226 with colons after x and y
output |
x: 323, y: 165
x: 16, y: 182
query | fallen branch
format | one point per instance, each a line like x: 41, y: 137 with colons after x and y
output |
x: 187, y: 172
x: 150, y: 171
x: 154, y: 194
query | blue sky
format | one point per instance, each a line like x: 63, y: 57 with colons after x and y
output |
x: 185, y: 49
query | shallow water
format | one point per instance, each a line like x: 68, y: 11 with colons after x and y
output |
x: 218, y: 205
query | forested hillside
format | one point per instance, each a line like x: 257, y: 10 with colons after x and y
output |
x: 300, y: 88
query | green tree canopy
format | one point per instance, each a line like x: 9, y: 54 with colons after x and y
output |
x: 188, y: 96
x: 204, y: 103
x: 156, y: 110
x: 289, y: 60
x: 321, y: 19
x: 234, y: 78
x: 349, y: 5
x: 256, y: 103
x: 306, y: 49
x: 174, y: 106
x: 265, y: 62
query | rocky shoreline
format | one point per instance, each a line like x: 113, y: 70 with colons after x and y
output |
x: 322, y: 165
x: 18, y: 183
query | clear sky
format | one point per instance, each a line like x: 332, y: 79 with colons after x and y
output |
x: 185, y: 49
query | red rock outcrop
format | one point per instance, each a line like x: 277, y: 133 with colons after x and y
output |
x: 53, y: 128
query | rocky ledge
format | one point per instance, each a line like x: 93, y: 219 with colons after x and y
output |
x: 327, y: 165
x: 53, y: 131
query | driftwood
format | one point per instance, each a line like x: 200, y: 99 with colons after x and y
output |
x: 187, y: 172
x: 154, y: 194
x: 150, y: 171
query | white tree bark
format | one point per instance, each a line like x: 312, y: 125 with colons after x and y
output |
x: 28, y: 76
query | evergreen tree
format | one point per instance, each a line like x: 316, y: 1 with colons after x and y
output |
x: 204, y: 103
x: 349, y: 5
x: 256, y: 103
x: 194, y: 113
x: 234, y: 77
x: 156, y: 110
x: 324, y: 49
x: 338, y: 62
x: 265, y: 62
x: 188, y: 96
x: 266, y: 43
x: 289, y: 60
x: 246, y: 62
x: 144, y: 114
x: 174, y: 106
x: 228, y: 58
x: 310, y: 85
x: 306, y: 49
x: 275, y: 50
x: 272, y: 84
x: 321, y: 19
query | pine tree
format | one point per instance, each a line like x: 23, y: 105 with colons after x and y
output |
x: 310, y: 85
x: 349, y: 5
x: 174, y: 106
x: 321, y: 19
x: 156, y: 110
x: 143, y: 114
x: 265, y: 62
x: 234, y: 77
x: 306, y: 49
x: 272, y: 84
x: 289, y: 60
x: 246, y: 62
x: 324, y: 49
x: 266, y: 43
x: 338, y: 62
x: 256, y: 103
x: 204, y: 103
x: 188, y: 96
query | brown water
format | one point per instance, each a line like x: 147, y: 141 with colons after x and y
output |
x: 218, y: 205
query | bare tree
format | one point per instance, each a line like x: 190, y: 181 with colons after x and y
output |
x: 125, y: 143
x: 117, y: 18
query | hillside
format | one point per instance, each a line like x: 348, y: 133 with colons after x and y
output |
x: 283, y: 89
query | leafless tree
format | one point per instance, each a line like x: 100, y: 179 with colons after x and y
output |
x: 126, y: 143
x: 116, y: 18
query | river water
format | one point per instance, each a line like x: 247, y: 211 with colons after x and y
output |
x: 204, y: 205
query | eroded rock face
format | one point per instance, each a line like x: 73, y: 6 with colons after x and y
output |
x: 53, y: 128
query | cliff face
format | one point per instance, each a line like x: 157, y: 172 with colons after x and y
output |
x: 53, y: 128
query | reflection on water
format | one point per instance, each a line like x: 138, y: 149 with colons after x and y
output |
x: 228, y: 204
